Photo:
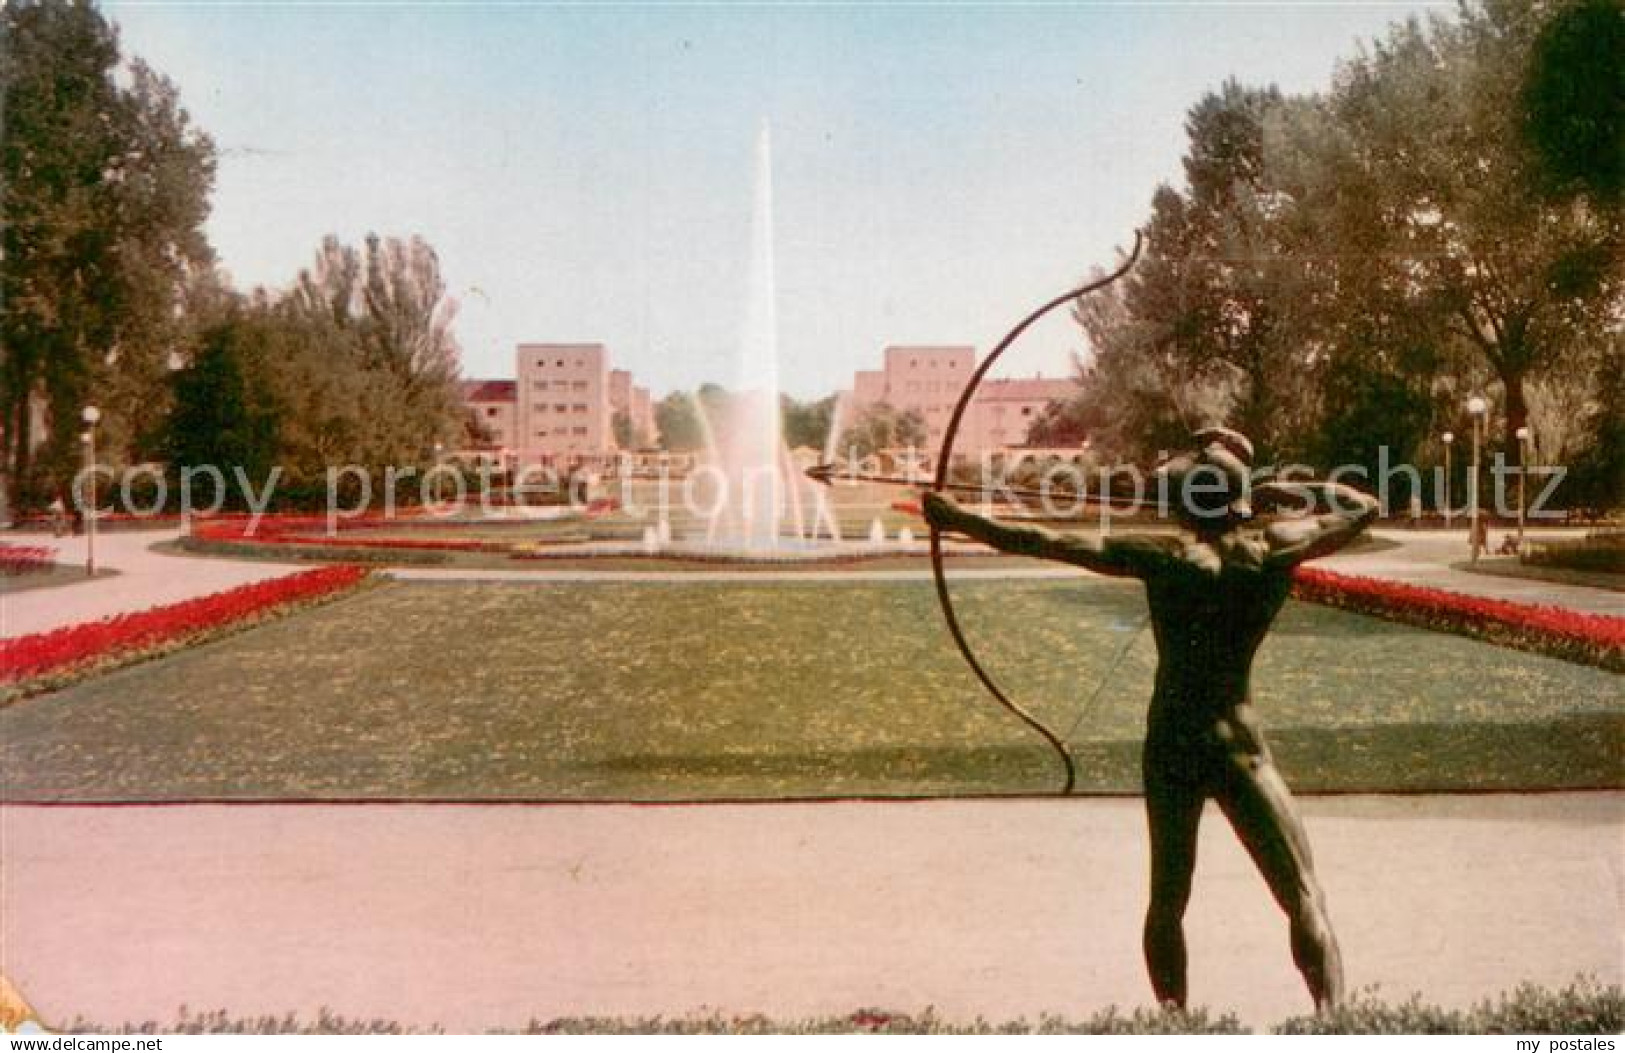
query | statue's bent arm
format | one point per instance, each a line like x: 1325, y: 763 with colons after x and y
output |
x: 1294, y: 541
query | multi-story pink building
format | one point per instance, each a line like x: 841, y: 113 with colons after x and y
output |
x: 561, y: 407
x: 928, y: 379
x: 563, y: 401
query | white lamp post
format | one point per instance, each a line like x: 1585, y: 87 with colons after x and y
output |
x: 1478, y: 408
x: 1449, y: 437
x: 91, y: 416
x: 439, y: 459
x: 1523, y: 473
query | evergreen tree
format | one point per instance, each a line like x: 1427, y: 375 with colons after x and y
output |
x: 219, y: 418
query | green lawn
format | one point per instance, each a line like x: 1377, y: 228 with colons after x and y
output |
x: 707, y: 690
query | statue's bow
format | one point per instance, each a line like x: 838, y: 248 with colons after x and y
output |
x: 940, y: 483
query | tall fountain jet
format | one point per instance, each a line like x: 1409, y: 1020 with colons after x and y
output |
x: 747, y: 465
x: 758, y: 498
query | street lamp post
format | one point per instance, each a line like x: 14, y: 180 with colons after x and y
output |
x: 439, y: 459
x: 1449, y: 437
x: 1523, y: 473
x: 1477, y: 407
x: 90, y: 415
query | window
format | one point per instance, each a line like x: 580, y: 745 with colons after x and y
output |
x: 561, y: 385
x: 580, y: 407
x: 578, y: 431
x: 560, y: 363
x: 490, y: 411
x: 560, y: 407
x: 580, y: 385
x: 1026, y: 411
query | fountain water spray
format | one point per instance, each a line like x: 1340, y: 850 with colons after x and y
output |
x: 761, y: 494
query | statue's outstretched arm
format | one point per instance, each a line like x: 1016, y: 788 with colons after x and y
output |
x: 1127, y: 556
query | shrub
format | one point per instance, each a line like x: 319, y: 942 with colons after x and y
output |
x: 1584, y: 1007
x: 1602, y: 553
x: 25, y: 559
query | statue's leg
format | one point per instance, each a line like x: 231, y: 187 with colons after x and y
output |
x: 1173, y: 809
x: 1259, y: 806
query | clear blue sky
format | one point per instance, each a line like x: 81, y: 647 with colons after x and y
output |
x: 585, y: 173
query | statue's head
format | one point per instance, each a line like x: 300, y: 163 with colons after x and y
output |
x: 1209, y: 489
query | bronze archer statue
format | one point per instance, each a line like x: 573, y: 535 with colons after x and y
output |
x: 1214, y: 589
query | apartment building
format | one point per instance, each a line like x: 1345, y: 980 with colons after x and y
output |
x: 929, y: 379
x: 561, y: 406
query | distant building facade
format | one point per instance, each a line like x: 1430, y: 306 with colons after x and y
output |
x: 929, y: 379
x: 560, y: 408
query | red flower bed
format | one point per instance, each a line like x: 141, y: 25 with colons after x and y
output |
x: 307, y: 530
x: 25, y: 559
x: 1594, y: 639
x: 27, y: 657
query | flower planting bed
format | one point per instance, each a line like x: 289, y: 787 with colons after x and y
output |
x: 293, y: 535
x: 48, y: 660
x: 313, y: 530
x: 25, y: 559
x: 1592, y: 639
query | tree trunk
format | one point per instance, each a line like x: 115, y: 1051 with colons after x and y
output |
x: 1517, y: 415
x: 19, y: 437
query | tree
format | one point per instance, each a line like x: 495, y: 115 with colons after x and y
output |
x: 1066, y: 422
x: 808, y: 423
x: 217, y: 418
x: 1574, y: 101
x: 383, y: 315
x: 883, y: 427
x: 104, y: 186
x: 1202, y: 330
x: 681, y: 430
x: 1432, y: 155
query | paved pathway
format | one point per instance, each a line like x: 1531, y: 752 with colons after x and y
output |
x: 481, y: 916
x: 144, y: 579
x: 1427, y: 558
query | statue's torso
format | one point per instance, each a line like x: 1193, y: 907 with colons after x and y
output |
x: 1211, y: 607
